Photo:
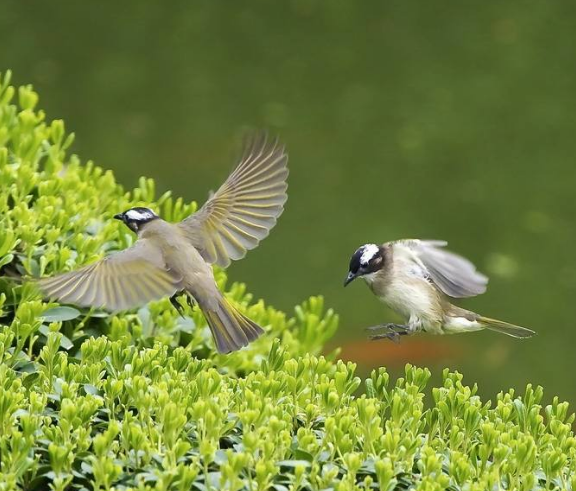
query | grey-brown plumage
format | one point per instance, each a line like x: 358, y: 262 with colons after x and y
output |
x: 416, y: 278
x: 169, y: 258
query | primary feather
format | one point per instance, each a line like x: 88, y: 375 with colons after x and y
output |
x: 452, y: 274
x: 121, y: 281
x: 245, y: 208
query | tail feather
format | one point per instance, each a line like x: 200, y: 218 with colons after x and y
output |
x: 231, y: 329
x: 505, y: 328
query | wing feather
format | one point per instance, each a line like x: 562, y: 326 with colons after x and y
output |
x: 243, y: 211
x: 453, y: 274
x: 121, y: 281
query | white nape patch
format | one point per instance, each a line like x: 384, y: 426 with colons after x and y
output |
x: 370, y: 250
x: 140, y: 216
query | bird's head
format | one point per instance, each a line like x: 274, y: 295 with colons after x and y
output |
x: 367, y: 259
x: 135, y: 218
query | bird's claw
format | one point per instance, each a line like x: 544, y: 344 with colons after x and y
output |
x: 178, y: 306
x: 390, y: 327
x: 392, y: 336
x: 190, y: 301
x: 394, y: 331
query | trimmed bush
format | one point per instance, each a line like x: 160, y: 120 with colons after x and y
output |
x: 140, y: 400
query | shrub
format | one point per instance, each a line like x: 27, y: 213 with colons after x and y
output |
x: 140, y: 400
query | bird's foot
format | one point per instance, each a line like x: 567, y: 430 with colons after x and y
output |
x: 400, y: 328
x: 393, y: 334
x: 190, y: 301
x: 177, y: 305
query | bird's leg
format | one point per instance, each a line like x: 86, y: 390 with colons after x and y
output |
x: 178, y: 306
x: 391, y: 327
x: 190, y: 300
x: 391, y: 335
x: 394, y: 331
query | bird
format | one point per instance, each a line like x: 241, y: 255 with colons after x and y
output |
x: 417, y: 279
x: 170, y: 259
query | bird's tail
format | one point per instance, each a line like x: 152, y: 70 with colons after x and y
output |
x: 231, y: 329
x: 505, y: 328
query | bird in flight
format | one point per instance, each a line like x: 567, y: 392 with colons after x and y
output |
x: 168, y: 259
x: 416, y: 279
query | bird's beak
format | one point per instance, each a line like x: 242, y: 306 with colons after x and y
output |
x: 351, y: 277
x: 119, y: 216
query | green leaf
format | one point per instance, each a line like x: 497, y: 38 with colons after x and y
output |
x: 90, y: 389
x: 60, y: 314
x: 30, y: 379
x: 7, y: 259
x: 66, y: 343
x: 292, y: 464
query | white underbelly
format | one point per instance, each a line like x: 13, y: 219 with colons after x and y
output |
x: 416, y: 301
x: 461, y: 324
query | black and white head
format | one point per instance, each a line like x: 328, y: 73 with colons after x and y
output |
x: 367, y: 259
x: 135, y: 218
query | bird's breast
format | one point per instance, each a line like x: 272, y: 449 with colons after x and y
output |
x: 408, y: 296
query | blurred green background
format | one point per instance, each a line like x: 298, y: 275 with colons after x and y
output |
x: 447, y: 120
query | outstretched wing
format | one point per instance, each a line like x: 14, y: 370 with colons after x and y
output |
x: 245, y: 208
x: 452, y: 274
x: 121, y: 281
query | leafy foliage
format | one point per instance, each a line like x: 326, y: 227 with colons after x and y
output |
x: 56, y: 215
x: 141, y: 401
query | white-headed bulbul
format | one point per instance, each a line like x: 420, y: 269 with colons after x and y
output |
x: 170, y: 258
x: 416, y: 278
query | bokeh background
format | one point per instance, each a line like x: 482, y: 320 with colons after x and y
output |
x: 448, y: 120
